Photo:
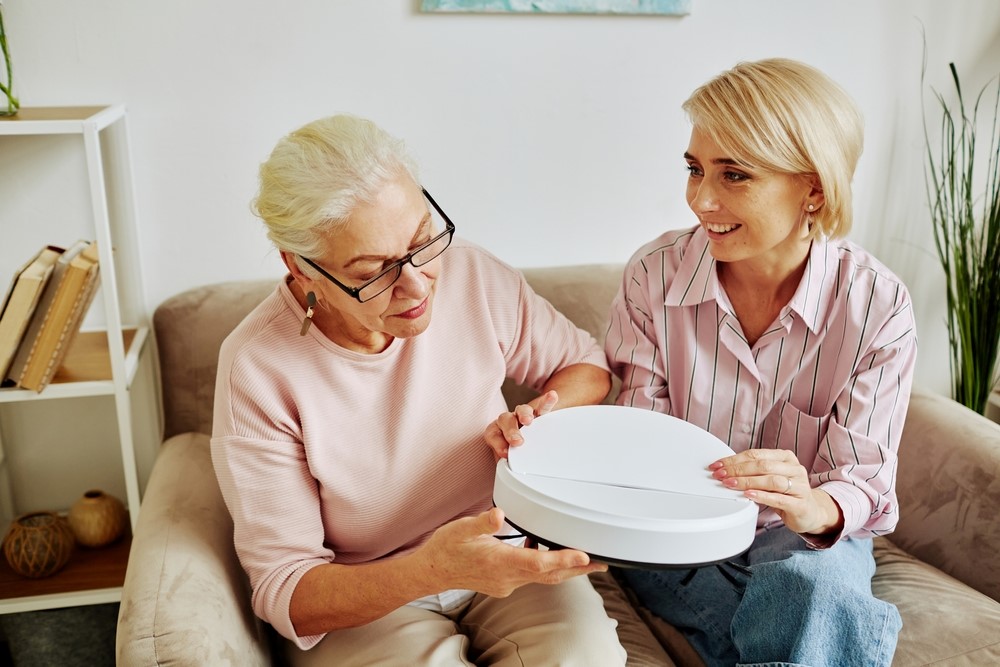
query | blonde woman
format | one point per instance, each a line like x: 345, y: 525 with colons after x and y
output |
x: 763, y: 325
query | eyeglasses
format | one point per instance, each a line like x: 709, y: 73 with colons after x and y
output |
x: 388, y: 277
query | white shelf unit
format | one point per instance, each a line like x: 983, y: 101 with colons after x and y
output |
x: 93, y: 576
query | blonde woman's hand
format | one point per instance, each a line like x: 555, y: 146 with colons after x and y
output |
x: 775, y: 478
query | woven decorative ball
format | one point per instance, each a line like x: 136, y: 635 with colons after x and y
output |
x: 38, y: 544
x: 97, y: 519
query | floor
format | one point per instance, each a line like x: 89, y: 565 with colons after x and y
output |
x: 72, y: 637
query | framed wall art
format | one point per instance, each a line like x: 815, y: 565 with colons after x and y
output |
x: 649, y: 7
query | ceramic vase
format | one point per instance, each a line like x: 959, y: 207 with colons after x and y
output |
x: 97, y: 519
x: 38, y: 544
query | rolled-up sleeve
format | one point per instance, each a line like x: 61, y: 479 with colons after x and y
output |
x: 857, y: 460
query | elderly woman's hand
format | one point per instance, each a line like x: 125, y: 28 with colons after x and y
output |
x: 775, y: 478
x: 465, y: 554
x: 504, y: 433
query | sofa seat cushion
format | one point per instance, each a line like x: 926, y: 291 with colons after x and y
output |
x: 945, y: 622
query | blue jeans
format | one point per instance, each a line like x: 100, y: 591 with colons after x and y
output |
x: 798, y: 607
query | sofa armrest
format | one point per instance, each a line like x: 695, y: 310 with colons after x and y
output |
x: 949, y: 490
x: 185, y: 599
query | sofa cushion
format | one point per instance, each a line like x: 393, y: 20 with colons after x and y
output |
x: 189, y: 329
x: 945, y: 622
x: 949, y: 490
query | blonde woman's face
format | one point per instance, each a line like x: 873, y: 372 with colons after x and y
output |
x: 748, y: 214
x: 376, y: 235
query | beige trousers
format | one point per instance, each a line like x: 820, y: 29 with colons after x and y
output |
x: 537, y: 625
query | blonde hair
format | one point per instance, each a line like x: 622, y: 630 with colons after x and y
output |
x: 785, y: 116
x: 317, y: 175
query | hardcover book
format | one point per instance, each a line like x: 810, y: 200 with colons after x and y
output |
x: 21, y: 302
x: 62, y: 322
x: 20, y: 359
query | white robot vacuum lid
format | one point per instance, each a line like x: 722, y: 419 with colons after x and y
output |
x: 628, y: 486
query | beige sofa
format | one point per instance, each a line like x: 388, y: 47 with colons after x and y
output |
x: 186, y: 602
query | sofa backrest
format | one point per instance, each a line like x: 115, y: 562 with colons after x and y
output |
x: 189, y: 329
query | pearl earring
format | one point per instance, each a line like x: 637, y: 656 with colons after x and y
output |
x: 810, y: 208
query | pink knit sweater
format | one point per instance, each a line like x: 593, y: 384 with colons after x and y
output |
x: 324, y: 454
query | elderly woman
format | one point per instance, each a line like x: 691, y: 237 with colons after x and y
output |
x: 353, y: 413
x: 762, y: 325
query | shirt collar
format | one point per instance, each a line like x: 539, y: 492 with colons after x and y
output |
x: 697, y: 281
x: 812, y: 297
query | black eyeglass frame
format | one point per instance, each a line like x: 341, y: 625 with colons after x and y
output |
x: 396, y: 266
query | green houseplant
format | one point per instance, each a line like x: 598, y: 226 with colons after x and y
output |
x: 963, y: 189
x: 8, y: 101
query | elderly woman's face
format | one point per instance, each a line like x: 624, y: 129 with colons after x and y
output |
x: 747, y: 214
x: 375, y: 236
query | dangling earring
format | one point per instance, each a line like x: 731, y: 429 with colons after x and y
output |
x: 311, y: 300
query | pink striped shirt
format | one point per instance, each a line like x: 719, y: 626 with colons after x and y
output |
x: 328, y: 455
x: 829, y: 379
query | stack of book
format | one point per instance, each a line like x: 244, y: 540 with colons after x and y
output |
x: 43, y: 311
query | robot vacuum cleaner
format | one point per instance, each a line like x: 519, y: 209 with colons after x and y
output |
x: 627, y: 486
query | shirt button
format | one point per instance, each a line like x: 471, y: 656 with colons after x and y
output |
x: 745, y: 428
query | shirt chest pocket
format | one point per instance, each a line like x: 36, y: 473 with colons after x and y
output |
x: 787, y: 427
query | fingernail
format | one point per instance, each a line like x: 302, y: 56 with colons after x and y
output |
x: 730, y: 482
x: 720, y: 473
x: 715, y: 466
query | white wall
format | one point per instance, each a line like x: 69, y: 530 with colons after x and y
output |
x: 548, y: 139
